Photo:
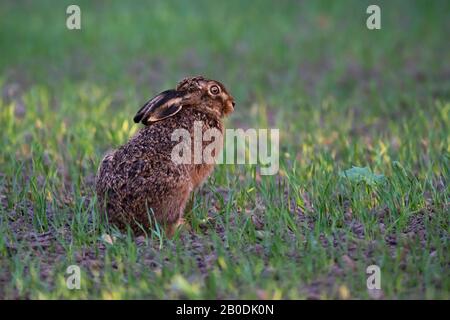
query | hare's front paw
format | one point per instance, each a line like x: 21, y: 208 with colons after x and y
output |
x: 180, y: 225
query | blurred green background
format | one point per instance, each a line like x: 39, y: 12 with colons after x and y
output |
x: 280, y: 52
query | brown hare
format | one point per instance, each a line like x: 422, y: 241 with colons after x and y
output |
x: 140, y: 180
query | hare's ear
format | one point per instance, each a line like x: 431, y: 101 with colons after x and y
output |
x: 162, y: 106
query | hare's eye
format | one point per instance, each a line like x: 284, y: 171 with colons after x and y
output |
x: 214, y: 89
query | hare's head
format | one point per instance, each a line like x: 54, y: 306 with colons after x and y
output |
x: 195, y: 92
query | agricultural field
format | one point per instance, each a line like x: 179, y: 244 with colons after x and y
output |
x: 363, y: 118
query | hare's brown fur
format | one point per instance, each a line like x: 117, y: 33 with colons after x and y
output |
x: 139, y: 180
